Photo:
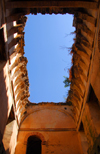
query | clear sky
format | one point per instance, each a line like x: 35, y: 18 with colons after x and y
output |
x: 46, y: 40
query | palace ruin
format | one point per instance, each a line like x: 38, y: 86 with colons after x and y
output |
x: 72, y: 127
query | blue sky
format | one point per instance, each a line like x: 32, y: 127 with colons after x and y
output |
x: 46, y: 40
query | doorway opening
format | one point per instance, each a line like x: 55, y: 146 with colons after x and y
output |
x: 33, y: 145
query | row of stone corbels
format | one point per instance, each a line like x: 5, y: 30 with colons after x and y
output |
x: 20, y: 83
x: 18, y: 62
x: 16, y: 16
x: 82, y: 54
x: 49, y: 7
x: 49, y: 10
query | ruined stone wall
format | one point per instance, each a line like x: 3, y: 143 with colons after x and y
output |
x: 91, y: 123
x: 88, y: 126
x: 2, y: 13
x: 54, y: 125
x: 6, y: 99
x: 6, y: 90
x: 9, y: 138
x: 95, y: 77
x: 56, y: 142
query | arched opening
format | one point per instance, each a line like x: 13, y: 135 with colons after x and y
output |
x: 33, y: 145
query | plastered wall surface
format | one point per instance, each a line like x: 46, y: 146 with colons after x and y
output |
x: 48, y: 118
x: 56, y: 130
x: 57, y: 142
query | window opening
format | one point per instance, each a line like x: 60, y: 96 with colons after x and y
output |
x: 81, y: 127
x: 48, y: 57
x: 92, y: 97
x: 33, y: 145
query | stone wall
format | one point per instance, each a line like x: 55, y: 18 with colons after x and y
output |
x: 91, y: 123
x: 2, y: 150
x: 56, y: 142
x: 6, y: 99
x: 9, y: 139
x: 54, y: 125
x: 95, y: 77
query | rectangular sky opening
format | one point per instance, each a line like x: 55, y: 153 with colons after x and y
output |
x: 47, y: 39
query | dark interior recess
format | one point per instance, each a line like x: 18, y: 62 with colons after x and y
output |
x: 33, y: 145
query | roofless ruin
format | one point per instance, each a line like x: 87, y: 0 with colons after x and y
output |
x: 72, y: 127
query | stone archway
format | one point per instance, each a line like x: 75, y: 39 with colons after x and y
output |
x: 37, y: 134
